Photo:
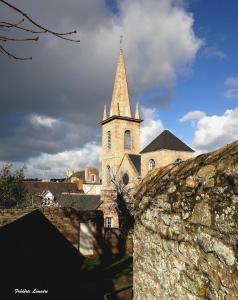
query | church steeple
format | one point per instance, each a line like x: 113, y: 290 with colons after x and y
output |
x: 120, y: 104
x: 120, y: 129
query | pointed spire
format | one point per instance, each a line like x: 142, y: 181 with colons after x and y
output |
x: 120, y: 97
x: 137, y: 113
x: 105, y: 112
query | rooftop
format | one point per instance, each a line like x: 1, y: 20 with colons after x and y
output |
x: 166, y: 140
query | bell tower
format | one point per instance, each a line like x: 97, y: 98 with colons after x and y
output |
x: 120, y: 130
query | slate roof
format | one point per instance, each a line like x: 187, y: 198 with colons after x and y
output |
x: 166, y: 140
x: 136, y: 160
x: 80, y: 201
x: 56, y: 188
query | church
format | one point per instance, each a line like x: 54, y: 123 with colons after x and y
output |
x: 123, y: 162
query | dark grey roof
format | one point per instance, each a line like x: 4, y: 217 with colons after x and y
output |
x: 166, y: 140
x: 56, y: 188
x: 80, y: 201
x: 136, y: 160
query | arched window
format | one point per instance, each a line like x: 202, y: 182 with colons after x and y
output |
x: 151, y: 164
x: 108, y: 174
x: 178, y: 161
x: 109, y: 145
x: 127, y: 140
x: 125, y: 178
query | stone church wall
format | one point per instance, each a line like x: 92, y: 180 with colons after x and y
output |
x: 186, y: 230
x: 113, y: 157
x: 162, y: 158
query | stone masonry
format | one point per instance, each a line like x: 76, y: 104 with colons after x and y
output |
x: 186, y: 229
x: 162, y: 157
x: 66, y: 219
x: 109, y: 206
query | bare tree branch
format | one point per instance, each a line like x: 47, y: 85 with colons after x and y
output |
x: 10, y: 55
x: 6, y: 38
x: 7, y: 26
x: 60, y: 35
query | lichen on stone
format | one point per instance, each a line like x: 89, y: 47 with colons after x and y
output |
x: 186, y: 229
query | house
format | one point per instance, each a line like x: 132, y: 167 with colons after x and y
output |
x: 47, y: 193
x: 87, y: 179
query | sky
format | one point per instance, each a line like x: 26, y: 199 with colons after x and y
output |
x: 182, y: 68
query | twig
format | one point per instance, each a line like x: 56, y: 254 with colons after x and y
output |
x: 6, y: 38
x: 58, y: 34
x: 7, y: 26
x: 10, y: 55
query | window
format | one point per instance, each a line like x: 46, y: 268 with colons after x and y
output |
x: 108, y: 222
x: 178, y: 161
x: 108, y: 174
x: 125, y: 179
x: 151, y: 164
x: 47, y: 202
x: 93, y: 178
x: 109, y: 144
x: 127, y: 140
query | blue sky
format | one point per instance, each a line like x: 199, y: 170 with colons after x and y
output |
x: 181, y: 61
x: 203, y: 89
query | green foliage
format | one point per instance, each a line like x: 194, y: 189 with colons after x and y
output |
x: 12, y: 189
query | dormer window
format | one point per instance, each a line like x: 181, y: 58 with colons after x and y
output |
x: 151, y: 164
x: 127, y: 140
x: 109, y: 145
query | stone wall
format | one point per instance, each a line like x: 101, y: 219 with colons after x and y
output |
x: 116, y: 245
x: 67, y: 220
x: 109, y: 205
x: 186, y: 230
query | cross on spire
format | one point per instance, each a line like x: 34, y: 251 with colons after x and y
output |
x: 121, y: 40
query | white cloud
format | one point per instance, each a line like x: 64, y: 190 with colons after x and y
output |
x: 155, y: 52
x: 215, y: 131
x: 151, y: 127
x: 231, y: 84
x: 42, y: 121
x: 192, y: 115
x: 56, y: 165
x: 159, y: 43
x: 214, y: 52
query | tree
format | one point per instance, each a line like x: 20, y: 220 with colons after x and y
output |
x: 32, y: 34
x: 125, y: 205
x: 12, y: 189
